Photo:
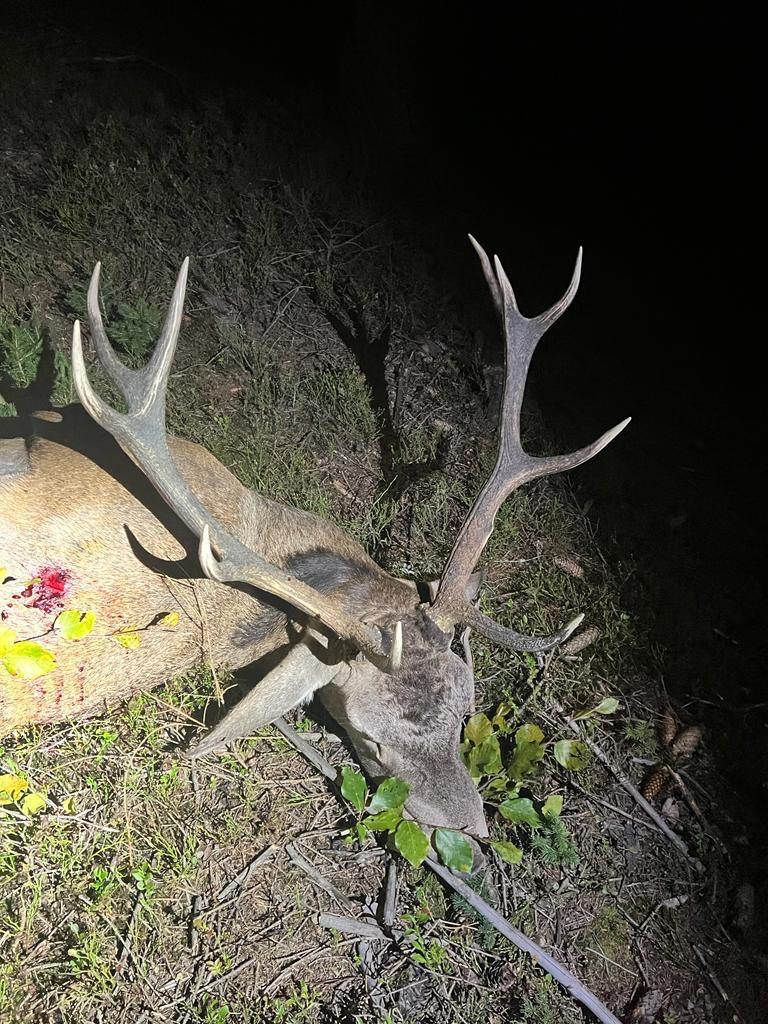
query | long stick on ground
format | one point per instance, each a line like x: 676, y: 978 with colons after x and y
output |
x: 571, y: 984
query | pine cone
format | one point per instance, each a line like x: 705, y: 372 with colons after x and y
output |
x: 655, y: 781
x: 581, y: 640
x: 569, y: 565
x: 686, y: 741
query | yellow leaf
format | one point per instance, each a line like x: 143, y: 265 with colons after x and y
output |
x: 170, y: 621
x: 3, y: 574
x: 28, y: 660
x: 33, y: 803
x: 13, y: 785
x: 69, y: 805
x: 128, y: 638
x: 7, y: 639
x: 74, y: 624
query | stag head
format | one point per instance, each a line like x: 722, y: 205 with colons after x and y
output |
x: 380, y: 662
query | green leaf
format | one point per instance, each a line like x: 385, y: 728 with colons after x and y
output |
x: 454, y: 849
x: 33, y: 803
x: 552, y: 806
x: 74, y: 625
x: 485, y: 758
x: 525, y: 758
x: 607, y: 706
x: 478, y: 728
x: 571, y: 754
x: 390, y: 793
x: 354, y: 787
x: 360, y: 832
x: 520, y: 812
x: 12, y: 786
x: 128, y: 637
x: 28, y: 659
x: 386, y: 820
x: 508, y: 851
x: 528, y: 733
x: 500, y: 782
x: 411, y: 842
x: 7, y: 639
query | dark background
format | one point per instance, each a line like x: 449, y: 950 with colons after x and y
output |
x: 539, y: 127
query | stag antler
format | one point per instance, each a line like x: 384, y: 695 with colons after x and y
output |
x: 141, y: 434
x: 514, y: 467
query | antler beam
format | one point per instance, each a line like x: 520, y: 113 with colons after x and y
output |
x: 141, y: 434
x: 514, y: 466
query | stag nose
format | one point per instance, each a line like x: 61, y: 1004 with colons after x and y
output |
x: 449, y: 799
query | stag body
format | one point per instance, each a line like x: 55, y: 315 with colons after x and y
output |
x: 81, y: 529
x: 102, y: 540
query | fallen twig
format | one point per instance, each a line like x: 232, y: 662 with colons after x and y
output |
x: 351, y: 926
x: 564, y: 977
x: 311, y: 871
x: 306, y: 749
x: 390, y: 896
x: 244, y: 876
x: 715, y: 980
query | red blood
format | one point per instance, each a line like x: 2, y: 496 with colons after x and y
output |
x: 48, y: 589
x: 3, y: 615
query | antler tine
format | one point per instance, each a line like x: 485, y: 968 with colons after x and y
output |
x: 108, y: 358
x: 545, y: 320
x: 490, y: 279
x: 518, y: 641
x: 147, y: 385
x: 514, y: 466
x: 141, y: 434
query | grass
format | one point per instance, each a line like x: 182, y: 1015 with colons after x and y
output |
x: 108, y: 896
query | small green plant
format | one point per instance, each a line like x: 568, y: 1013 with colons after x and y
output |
x: 553, y: 843
x: 21, y: 346
x: 135, y: 329
x: 384, y: 813
x: 538, y: 1008
x: 213, y: 1011
x: 145, y: 884
x: 88, y: 959
x: 299, y: 1008
x: 428, y: 953
x: 642, y: 733
x: 105, y: 881
x: 501, y: 759
x: 63, y: 392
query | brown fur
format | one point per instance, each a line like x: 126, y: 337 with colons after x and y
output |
x: 81, y: 506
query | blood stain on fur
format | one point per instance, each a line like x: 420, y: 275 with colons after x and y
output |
x: 48, y: 589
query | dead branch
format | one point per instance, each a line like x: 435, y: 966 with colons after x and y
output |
x: 320, y: 880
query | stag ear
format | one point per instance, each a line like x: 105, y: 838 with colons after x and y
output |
x: 293, y: 681
x: 474, y: 583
